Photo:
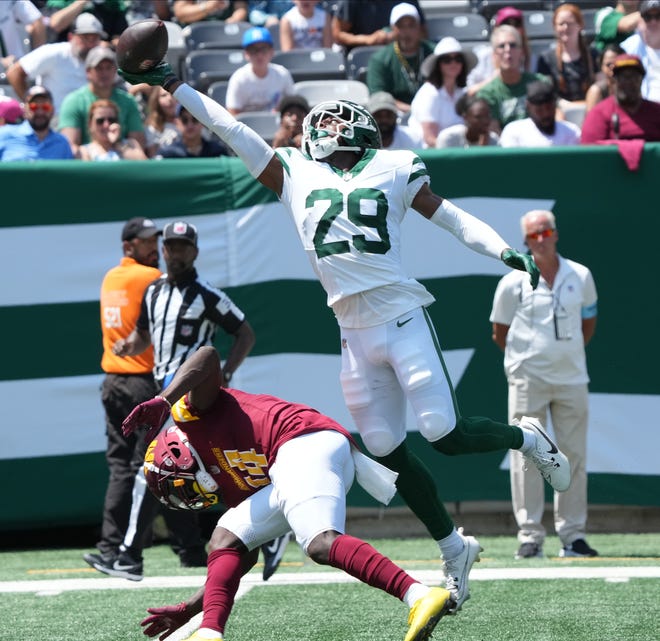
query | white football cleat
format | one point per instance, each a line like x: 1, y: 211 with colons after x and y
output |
x: 457, y: 571
x: 550, y: 461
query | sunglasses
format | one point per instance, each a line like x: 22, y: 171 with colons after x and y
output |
x: 445, y: 60
x: 651, y: 16
x: 44, y: 106
x: 546, y: 233
x: 110, y: 121
x: 504, y: 45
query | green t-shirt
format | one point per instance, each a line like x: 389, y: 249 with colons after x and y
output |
x: 75, y: 110
x: 606, y: 23
x: 507, y: 102
x: 386, y: 73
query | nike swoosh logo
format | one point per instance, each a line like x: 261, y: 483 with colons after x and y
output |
x: 553, y: 449
x: 402, y: 323
x: 122, y: 568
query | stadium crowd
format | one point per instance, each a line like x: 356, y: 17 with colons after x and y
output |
x: 599, y: 60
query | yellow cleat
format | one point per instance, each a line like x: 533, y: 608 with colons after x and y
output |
x: 426, y: 612
x: 196, y: 637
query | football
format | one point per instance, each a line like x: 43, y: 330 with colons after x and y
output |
x: 142, y: 46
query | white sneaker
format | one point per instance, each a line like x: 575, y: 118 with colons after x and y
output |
x: 547, y: 457
x: 457, y: 570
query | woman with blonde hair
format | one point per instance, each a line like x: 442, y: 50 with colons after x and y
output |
x: 570, y: 61
x: 161, y: 124
x: 105, y: 133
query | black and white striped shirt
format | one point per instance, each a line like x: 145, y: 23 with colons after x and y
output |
x: 183, y: 316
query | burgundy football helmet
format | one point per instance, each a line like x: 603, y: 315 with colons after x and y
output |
x: 176, y: 474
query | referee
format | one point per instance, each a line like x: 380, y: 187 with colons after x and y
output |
x: 179, y: 314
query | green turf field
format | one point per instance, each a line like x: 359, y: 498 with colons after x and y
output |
x: 52, y: 595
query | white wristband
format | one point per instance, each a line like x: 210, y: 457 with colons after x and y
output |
x: 251, y: 148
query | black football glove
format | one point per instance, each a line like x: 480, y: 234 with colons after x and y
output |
x: 523, y: 262
x: 160, y: 75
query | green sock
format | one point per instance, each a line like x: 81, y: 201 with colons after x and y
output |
x: 417, y: 488
x: 479, y: 434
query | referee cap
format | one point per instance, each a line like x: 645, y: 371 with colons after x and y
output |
x: 139, y: 227
x: 180, y: 230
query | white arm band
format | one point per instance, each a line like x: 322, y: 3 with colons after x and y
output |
x: 251, y: 148
x: 471, y: 231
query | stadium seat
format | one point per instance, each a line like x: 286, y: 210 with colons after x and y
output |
x: 176, y: 48
x: 357, y: 60
x: 215, y: 35
x: 274, y: 30
x: 574, y: 113
x: 312, y: 64
x: 7, y: 91
x: 265, y: 123
x: 538, y: 24
x: 218, y: 91
x: 462, y: 26
x: 433, y: 8
x: 315, y: 91
x: 201, y: 68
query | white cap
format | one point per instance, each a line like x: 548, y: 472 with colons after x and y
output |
x: 88, y: 23
x: 401, y: 11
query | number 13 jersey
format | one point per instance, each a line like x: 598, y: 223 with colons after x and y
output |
x: 350, y: 226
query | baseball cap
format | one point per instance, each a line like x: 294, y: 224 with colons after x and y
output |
x: 88, y: 23
x: 96, y: 55
x: 647, y: 5
x: 507, y: 13
x: 180, y: 230
x: 257, y: 35
x: 293, y: 100
x: 628, y: 61
x: 381, y: 100
x: 11, y: 111
x: 445, y: 46
x: 139, y: 227
x: 540, y: 92
x: 37, y: 90
x: 402, y: 10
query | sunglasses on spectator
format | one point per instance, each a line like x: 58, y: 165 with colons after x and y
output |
x: 457, y: 57
x: 44, y: 106
x: 545, y: 233
x: 108, y: 119
x: 503, y: 45
x: 651, y: 16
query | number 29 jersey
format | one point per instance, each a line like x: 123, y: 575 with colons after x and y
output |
x: 350, y: 226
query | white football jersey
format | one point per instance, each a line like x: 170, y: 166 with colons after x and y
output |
x: 350, y: 222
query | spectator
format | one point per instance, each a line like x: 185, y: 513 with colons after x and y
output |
x: 267, y: 13
x: 475, y: 129
x: 541, y: 128
x: 188, y: 11
x: 570, y: 62
x: 101, y: 65
x: 615, y: 24
x: 191, y: 143
x: 13, y: 14
x: 603, y: 86
x: 397, y: 68
x: 646, y: 45
x: 260, y: 84
x: 161, y: 124
x: 506, y: 94
x: 61, y: 14
x: 11, y: 112
x: 33, y: 139
x: 106, y: 140
x: 382, y: 107
x: 293, y: 110
x: 59, y: 66
x: 359, y: 24
x: 434, y: 105
x: 179, y: 314
x: 624, y: 115
x: 144, y: 9
x: 543, y: 333
x: 486, y: 67
x: 127, y: 380
x: 305, y: 26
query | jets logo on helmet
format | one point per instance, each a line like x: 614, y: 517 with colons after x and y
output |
x: 176, y: 474
x: 339, y: 125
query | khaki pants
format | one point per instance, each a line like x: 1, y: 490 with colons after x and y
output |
x: 568, y: 408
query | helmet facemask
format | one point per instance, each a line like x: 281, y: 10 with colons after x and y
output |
x: 353, y: 129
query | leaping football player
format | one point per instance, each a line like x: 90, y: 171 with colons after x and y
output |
x: 347, y: 198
